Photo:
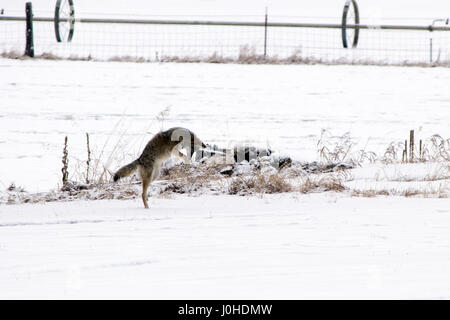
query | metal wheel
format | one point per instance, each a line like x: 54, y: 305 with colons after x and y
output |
x: 350, y: 16
x: 64, y: 20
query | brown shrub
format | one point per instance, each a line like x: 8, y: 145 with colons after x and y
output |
x: 274, y: 183
x: 241, y: 185
x: 369, y: 193
x: 326, y: 183
x: 13, y: 55
x: 412, y: 193
x: 260, y: 184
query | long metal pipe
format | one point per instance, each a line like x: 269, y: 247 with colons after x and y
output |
x: 237, y: 23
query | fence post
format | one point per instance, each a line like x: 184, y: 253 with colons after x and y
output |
x: 265, y: 35
x: 431, y: 50
x: 29, y: 50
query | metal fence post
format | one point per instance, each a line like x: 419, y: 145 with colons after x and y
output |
x: 431, y: 50
x: 29, y: 50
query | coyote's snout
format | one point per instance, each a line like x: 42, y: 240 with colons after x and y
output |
x: 160, y: 148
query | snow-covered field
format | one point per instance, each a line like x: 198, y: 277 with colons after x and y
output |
x: 274, y: 247
x: 285, y: 107
x: 292, y: 245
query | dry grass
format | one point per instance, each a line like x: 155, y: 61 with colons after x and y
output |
x: 441, y: 172
x: 190, y: 180
x: 369, y: 193
x: 313, y: 183
x: 13, y: 187
x: 278, y: 183
x: 191, y: 185
x: 205, y: 177
x: 274, y: 183
x: 334, y: 149
x: 442, y: 191
x: 411, y: 192
x: 104, y: 161
x: 340, y: 148
x: 127, y: 59
x: 246, y: 55
x: 259, y: 183
x: 393, y: 153
x: 14, y: 55
x: 72, y: 191
x: 436, y: 148
x: 48, y: 56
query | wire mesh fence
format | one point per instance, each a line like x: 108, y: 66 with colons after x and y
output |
x: 12, y: 36
x: 169, y: 40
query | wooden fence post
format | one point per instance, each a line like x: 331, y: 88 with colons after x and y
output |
x: 411, y: 145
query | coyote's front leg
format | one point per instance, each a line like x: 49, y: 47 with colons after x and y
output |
x: 177, y: 153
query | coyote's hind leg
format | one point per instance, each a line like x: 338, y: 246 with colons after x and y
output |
x: 148, y: 175
x: 146, y: 180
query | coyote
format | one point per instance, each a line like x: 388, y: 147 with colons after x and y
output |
x: 160, y: 148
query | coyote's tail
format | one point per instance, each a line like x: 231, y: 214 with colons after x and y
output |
x: 126, y: 171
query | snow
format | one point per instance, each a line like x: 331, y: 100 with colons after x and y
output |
x: 430, y: 177
x: 201, y: 246
x: 273, y: 247
x: 285, y: 107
